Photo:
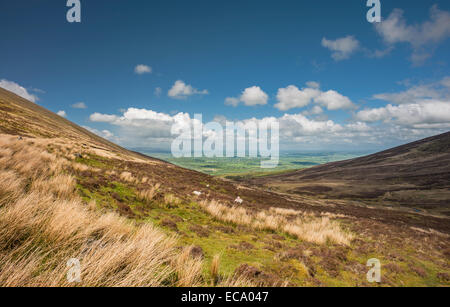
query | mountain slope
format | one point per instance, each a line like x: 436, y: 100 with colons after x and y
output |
x: 19, y: 116
x: 415, y: 174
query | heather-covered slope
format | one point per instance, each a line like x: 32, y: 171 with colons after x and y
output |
x: 416, y: 175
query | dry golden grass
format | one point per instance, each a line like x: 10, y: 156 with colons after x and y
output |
x: 214, y: 270
x: 112, y: 251
x: 304, y: 226
x: 80, y: 167
x: 45, y: 226
x: 188, y: 269
x: 283, y: 211
x: 127, y: 176
x: 149, y: 194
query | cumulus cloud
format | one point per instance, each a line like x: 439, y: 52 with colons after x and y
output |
x: 291, y: 97
x: 181, y: 90
x: 424, y: 106
x: 418, y: 115
x: 106, y: 134
x: 142, y: 69
x: 148, y: 129
x: 313, y: 84
x: 410, y: 95
x: 18, y: 90
x: 254, y: 96
x: 62, y: 113
x: 232, y: 101
x: 332, y: 100
x: 316, y: 110
x: 79, y: 105
x: 439, y: 90
x: 421, y: 37
x: 102, y: 118
x: 145, y: 128
x: 342, y: 48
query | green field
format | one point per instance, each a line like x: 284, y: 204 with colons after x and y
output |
x: 239, y: 168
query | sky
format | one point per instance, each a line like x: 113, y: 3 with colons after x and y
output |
x: 130, y: 70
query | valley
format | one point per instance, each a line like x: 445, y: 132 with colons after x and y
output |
x: 134, y: 220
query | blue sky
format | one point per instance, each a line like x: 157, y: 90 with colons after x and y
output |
x: 389, y: 81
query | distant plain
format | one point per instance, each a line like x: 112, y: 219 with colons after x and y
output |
x: 241, y: 168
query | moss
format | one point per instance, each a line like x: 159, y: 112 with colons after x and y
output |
x: 94, y: 161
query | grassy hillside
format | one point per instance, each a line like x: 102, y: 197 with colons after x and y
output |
x: 132, y: 220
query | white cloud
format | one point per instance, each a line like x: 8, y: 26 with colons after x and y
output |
x: 142, y: 128
x: 313, y: 84
x: 379, y: 53
x: 411, y: 95
x: 37, y: 90
x: 62, y: 113
x: 102, y: 118
x: 142, y: 69
x: 415, y: 94
x: 421, y: 37
x: 358, y: 126
x: 418, y: 115
x: 316, y: 110
x: 332, y: 100
x: 294, y: 125
x: 79, y: 105
x: 291, y: 97
x: 181, y: 90
x: 106, y: 134
x: 342, y: 48
x: 424, y: 106
x: 446, y: 82
x: 18, y: 90
x: 254, y: 96
x: 232, y: 101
